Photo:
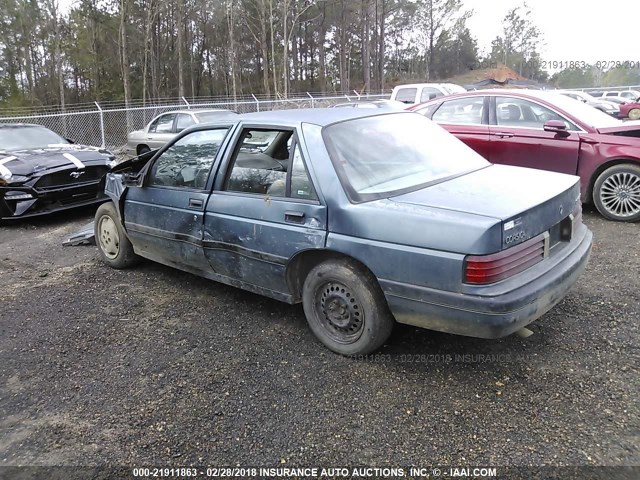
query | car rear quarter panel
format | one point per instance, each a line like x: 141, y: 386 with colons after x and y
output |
x: 409, y: 244
x: 399, y: 242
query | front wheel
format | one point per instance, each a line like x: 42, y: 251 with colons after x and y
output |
x: 634, y: 114
x: 345, y: 308
x: 114, y: 246
x: 616, y: 193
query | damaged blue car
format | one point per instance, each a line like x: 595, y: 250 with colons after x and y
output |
x: 367, y: 218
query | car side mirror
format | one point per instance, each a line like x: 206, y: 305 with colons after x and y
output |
x: 132, y: 179
x: 556, y: 126
x: 70, y: 141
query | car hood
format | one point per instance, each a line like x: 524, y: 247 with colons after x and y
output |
x: 606, y: 103
x: 27, y: 163
x: 631, y: 129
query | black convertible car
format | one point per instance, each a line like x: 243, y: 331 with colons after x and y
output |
x: 41, y: 172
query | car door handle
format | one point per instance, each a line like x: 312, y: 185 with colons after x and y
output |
x: 503, y: 135
x: 294, y: 217
x: 195, y: 203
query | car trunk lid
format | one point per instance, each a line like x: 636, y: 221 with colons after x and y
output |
x: 528, y: 202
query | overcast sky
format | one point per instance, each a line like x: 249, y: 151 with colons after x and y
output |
x: 572, y: 29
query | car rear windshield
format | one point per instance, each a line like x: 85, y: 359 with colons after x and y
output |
x: 391, y: 154
x: 28, y: 138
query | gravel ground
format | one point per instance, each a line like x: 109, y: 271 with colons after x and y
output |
x: 152, y: 366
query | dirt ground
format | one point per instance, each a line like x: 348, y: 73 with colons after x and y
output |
x: 152, y: 366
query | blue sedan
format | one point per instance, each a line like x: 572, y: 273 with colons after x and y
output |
x: 367, y: 218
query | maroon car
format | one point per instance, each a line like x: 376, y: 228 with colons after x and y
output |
x: 548, y: 131
x: 630, y: 110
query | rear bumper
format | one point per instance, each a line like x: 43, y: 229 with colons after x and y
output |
x: 498, y: 311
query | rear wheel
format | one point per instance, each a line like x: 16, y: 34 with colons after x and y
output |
x: 345, y: 308
x: 634, y: 114
x: 114, y: 246
x: 616, y: 193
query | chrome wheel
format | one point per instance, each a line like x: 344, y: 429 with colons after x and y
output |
x: 634, y: 114
x: 108, y: 237
x: 620, y: 194
x: 339, y: 312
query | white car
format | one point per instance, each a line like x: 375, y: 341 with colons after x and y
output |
x: 629, y: 95
x: 412, y: 94
x: 164, y: 127
x: 601, y: 103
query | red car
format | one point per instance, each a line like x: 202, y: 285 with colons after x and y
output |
x: 548, y: 131
x: 630, y: 110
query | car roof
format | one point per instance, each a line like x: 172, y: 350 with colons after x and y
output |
x: 20, y: 125
x: 201, y: 110
x: 316, y: 116
x: 525, y: 92
x: 417, y: 85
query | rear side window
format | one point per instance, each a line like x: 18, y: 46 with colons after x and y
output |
x: 406, y: 95
x: 270, y: 162
x: 429, y: 93
x: 183, y: 122
x: 163, y: 124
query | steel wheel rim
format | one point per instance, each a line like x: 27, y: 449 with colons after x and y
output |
x: 339, y: 312
x: 634, y: 114
x: 620, y: 194
x: 108, y: 237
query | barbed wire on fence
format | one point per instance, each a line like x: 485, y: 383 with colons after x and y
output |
x: 108, y: 124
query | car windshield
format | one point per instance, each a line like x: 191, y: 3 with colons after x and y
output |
x: 205, y: 117
x: 391, y: 154
x: 28, y: 138
x: 583, y: 112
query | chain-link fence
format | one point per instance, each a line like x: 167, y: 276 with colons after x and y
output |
x: 108, y: 125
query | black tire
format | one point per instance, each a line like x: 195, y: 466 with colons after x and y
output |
x: 616, y: 193
x: 114, y: 246
x: 142, y: 149
x: 345, y: 308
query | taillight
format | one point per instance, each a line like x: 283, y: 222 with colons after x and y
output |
x: 485, y: 269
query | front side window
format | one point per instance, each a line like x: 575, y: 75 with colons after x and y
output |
x: 162, y: 124
x: 187, y: 163
x: 390, y: 154
x: 517, y: 112
x: 462, y: 111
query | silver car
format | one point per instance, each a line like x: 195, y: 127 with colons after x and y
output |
x: 164, y: 127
